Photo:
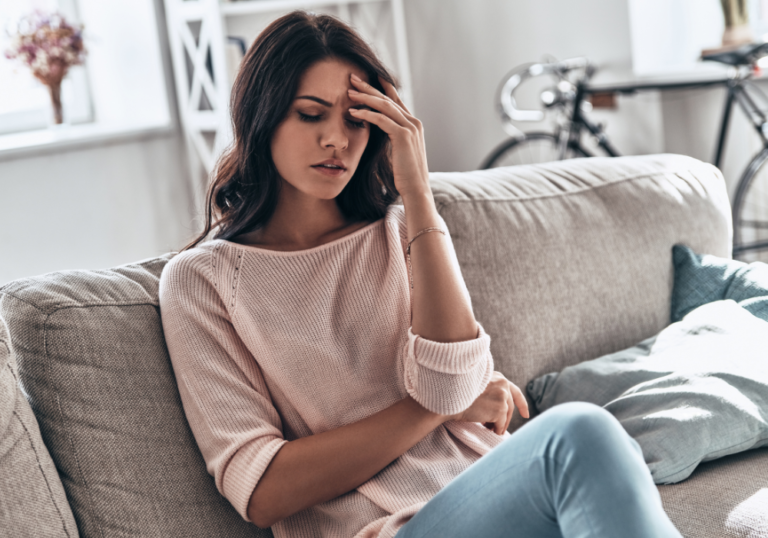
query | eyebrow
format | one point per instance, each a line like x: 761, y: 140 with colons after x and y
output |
x: 316, y: 99
x: 326, y: 103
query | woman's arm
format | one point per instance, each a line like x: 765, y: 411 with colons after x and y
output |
x: 442, y: 311
x: 321, y: 467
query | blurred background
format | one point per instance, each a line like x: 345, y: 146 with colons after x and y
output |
x: 144, y: 106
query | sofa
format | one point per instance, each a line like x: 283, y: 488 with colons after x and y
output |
x: 564, y: 262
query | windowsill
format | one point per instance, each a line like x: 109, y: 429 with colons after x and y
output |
x: 71, y: 136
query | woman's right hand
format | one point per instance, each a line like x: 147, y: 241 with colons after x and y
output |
x: 495, y: 407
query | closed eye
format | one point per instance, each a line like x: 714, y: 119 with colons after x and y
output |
x: 307, y: 117
x: 312, y: 119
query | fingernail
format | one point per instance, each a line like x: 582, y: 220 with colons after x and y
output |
x: 355, y: 77
x: 352, y: 91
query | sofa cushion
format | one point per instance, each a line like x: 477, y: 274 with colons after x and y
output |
x: 703, y: 278
x: 32, y: 500
x: 696, y: 392
x: 92, y: 358
x: 569, y: 261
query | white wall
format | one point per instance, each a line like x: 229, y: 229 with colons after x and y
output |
x: 92, y: 208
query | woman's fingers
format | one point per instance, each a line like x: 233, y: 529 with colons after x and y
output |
x: 395, y: 105
x: 391, y: 92
x: 499, y: 429
x: 384, y: 122
x: 510, y: 411
x: 381, y: 104
x: 520, y: 402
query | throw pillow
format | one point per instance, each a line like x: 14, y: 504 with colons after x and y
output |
x: 701, y: 279
x: 32, y: 498
x: 695, y: 392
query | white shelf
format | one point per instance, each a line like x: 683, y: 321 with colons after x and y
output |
x: 251, y: 7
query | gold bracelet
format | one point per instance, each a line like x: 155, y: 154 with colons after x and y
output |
x: 408, y: 250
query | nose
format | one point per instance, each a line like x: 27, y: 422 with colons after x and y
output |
x: 335, y: 135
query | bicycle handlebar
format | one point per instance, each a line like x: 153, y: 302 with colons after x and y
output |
x: 559, y: 69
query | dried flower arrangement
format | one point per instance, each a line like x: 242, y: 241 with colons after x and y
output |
x: 49, y: 46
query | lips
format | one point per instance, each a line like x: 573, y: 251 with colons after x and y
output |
x: 330, y: 164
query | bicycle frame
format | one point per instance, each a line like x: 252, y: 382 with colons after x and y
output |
x: 579, y: 120
x: 737, y: 93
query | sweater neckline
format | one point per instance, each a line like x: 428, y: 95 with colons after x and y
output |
x: 319, y: 248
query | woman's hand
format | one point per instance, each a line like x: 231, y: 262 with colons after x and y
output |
x: 409, y: 156
x: 496, y: 405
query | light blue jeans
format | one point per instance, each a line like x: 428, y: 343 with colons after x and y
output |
x: 571, y: 472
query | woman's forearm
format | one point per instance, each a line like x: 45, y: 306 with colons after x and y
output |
x: 321, y: 467
x: 442, y: 310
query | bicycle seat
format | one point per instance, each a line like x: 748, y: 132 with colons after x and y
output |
x: 744, y: 55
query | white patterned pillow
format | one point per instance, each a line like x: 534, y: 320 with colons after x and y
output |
x: 695, y: 392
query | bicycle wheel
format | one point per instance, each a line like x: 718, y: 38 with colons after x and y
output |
x: 750, y: 212
x: 530, y: 148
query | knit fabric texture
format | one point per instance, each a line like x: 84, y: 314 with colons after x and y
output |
x: 271, y: 346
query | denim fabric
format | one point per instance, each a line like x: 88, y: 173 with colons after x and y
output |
x: 570, y: 473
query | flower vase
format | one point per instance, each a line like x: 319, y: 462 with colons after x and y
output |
x: 55, y: 91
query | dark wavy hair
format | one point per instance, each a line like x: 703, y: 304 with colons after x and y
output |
x: 245, y: 185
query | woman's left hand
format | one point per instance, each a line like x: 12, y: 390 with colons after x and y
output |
x: 496, y: 405
x: 406, y: 133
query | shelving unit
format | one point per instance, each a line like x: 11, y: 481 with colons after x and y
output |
x: 198, y: 30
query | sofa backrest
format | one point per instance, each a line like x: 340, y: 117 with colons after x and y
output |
x: 564, y: 262
x: 571, y: 260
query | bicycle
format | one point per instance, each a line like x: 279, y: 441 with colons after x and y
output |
x: 568, y: 98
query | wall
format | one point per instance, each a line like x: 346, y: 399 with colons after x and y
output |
x: 461, y: 49
x: 92, y: 208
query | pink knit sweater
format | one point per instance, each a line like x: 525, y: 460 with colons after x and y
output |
x: 272, y: 346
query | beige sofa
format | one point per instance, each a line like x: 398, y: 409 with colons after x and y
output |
x: 564, y: 262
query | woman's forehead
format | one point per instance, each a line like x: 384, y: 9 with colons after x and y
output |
x: 330, y: 75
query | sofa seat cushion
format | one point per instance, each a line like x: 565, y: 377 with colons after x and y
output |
x: 32, y: 500
x: 93, y: 360
x: 725, y: 498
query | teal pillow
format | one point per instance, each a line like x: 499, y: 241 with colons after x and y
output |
x: 703, y: 278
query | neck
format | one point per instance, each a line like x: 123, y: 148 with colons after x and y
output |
x: 301, y: 223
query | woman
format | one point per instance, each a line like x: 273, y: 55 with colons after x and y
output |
x: 329, y: 363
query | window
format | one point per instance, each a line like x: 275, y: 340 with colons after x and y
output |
x: 24, y: 102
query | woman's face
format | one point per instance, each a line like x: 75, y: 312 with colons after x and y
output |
x: 318, y: 145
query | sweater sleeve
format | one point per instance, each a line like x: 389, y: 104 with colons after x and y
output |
x: 446, y: 377
x: 225, y: 398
